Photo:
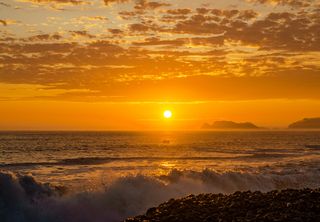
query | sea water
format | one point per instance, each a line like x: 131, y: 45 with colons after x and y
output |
x: 108, y: 176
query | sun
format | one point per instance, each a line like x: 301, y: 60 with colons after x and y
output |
x: 167, y: 114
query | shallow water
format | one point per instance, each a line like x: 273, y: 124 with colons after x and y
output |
x: 118, y: 174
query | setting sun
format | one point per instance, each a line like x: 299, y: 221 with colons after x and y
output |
x: 167, y: 114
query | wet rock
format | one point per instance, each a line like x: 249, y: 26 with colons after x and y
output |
x: 287, y: 205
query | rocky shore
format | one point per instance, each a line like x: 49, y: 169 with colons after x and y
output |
x: 287, y: 205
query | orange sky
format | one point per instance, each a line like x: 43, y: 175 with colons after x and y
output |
x: 118, y: 64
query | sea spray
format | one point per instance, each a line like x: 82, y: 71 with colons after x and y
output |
x: 23, y: 199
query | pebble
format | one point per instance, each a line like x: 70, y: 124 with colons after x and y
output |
x: 286, y: 205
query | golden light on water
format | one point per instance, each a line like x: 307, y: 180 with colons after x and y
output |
x: 167, y: 114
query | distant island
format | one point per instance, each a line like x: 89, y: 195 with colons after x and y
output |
x: 307, y: 123
x: 229, y: 125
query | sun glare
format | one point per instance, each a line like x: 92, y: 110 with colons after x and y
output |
x: 167, y: 114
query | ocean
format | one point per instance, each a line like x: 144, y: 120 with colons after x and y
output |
x: 108, y: 176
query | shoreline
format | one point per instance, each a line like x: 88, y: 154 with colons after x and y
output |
x: 285, y: 205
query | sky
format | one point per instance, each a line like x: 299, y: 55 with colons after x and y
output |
x: 119, y: 64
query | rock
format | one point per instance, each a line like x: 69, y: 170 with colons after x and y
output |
x: 286, y: 205
x: 307, y: 123
x: 229, y: 125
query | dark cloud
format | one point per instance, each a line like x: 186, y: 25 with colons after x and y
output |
x: 5, y: 4
x: 182, y: 11
x: 144, y: 27
x: 3, y: 22
x: 116, y: 31
x: 45, y: 37
x: 199, y: 24
x: 82, y: 33
x: 139, y: 28
x: 288, y: 31
x: 131, y: 15
x: 284, y: 30
x: 293, y: 30
x: 292, y: 3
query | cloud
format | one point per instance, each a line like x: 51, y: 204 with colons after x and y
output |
x: 93, y: 18
x: 220, y: 49
x: 206, y: 88
x: 6, y: 22
x: 116, y: 31
x: 147, y: 5
x: 5, y: 4
x: 139, y: 28
x: 158, y: 41
x: 180, y: 11
x: 82, y: 33
x: 283, y: 30
x: 140, y: 4
x: 45, y: 37
x: 292, y: 3
x: 288, y: 31
x: 295, y: 31
x: 98, y: 64
x: 3, y: 22
x: 108, y: 2
x: 128, y: 15
x: 62, y: 2
x: 144, y: 27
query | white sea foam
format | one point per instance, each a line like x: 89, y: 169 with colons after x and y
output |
x: 23, y: 199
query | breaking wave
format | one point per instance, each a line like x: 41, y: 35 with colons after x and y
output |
x: 23, y: 199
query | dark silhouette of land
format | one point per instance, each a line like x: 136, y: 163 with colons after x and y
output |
x: 229, y: 125
x: 307, y: 123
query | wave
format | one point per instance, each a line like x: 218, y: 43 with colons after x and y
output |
x: 23, y: 199
x: 313, y: 146
x: 102, y: 160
